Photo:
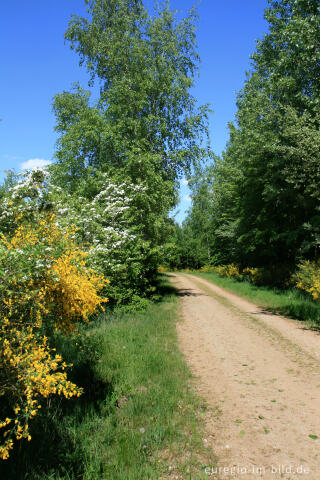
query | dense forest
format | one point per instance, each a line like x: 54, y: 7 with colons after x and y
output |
x: 258, y: 204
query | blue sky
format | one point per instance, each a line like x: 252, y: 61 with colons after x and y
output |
x: 36, y: 65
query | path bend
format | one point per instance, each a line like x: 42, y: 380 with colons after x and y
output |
x: 260, y: 376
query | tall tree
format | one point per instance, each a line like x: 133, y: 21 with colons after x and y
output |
x: 278, y: 131
x: 145, y: 125
x: 198, y: 222
x: 265, y: 196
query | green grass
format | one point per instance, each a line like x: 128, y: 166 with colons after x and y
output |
x: 139, y: 418
x: 291, y: 302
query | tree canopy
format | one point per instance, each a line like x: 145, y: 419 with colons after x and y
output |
x: 264, y: 206
x: 144, y: 126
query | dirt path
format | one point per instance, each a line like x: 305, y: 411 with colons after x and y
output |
x: 260, y: 375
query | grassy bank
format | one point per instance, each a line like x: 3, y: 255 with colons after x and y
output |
x: 289, y: 302
x: 138, y: 419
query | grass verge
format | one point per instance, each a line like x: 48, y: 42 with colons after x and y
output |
x: 291, y: 302
x: 139, y: 418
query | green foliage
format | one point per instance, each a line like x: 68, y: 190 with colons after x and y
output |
x: 307, y: 278
x: 262, y: 203
x: 199, y: 218
x: 45, y: 284
x: 145, y: 127
x: 278, y: 197
x: 146, y: 67
x: 106, y: 226
x: 119, y: 159
x: 137, y: 416
x: 181, y: 249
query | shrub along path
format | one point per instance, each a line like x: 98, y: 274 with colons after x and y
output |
x: 260, y: 374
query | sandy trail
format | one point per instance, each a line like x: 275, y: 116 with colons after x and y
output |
x: 260, y: 376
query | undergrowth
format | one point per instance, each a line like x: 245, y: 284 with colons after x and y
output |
x: 290, y: 302
x: 138, y: 418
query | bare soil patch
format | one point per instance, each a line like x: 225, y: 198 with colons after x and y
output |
x: 260, y: 376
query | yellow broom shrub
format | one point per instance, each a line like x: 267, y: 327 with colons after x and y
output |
x: 229, y: 271
x: 44, y: 277
x: 162, y: 269
x: 307, y: 278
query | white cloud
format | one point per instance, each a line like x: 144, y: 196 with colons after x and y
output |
x: 187, y: 198
x: 184, y: 181
x: 34, y: 163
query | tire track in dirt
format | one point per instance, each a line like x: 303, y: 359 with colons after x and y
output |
x: 260, y: 376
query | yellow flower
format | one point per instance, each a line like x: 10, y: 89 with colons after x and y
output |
x: 64, y: 288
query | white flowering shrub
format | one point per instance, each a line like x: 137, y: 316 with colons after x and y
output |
x: 46, y: 287
x: 105, y: 226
